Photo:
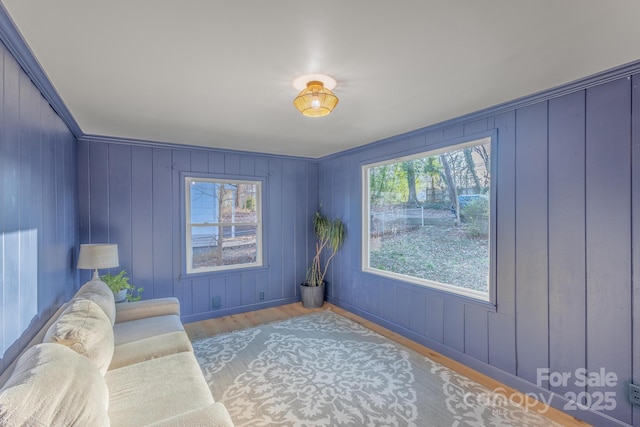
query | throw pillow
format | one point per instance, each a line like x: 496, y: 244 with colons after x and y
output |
x: 53, y: 386
x: 84, y: 328
x: 98, y: 292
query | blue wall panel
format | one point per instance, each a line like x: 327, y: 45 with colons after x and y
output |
x: 162, y: 223
x: 216, y: 162
x: 132, y: 196
x: 119, y: 187
x: 565, y: 297
x: 608, y: 240
x: 476, y: 339
x: 506, y: 213
x: 635, y: 185
x: 502, y: 342
x: 287, y: 212
x: 231, y: 164
x: 233, y: 290
x: 453, y: 325
x: 141, y: 272
x: 38, y: 220
x: 198, y: 161
x: 567, y: 290
x: 532, y: 332
x: 435, y: 318
x: 98, y: 185
x: 274, y: 230
x: 302, y: 220
x: 417, y: 310
x: 402, y: 306
x: 199, y: 299
x: 387, y: 295
x: 248, y: 286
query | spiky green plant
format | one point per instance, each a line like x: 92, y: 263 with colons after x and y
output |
x: 330, y: 236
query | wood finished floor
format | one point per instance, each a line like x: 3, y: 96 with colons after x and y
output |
x: 220, y: 325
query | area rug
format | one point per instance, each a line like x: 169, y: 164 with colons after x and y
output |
x: 323, y: 369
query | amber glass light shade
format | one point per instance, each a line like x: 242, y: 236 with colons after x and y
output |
x: 315, y: 100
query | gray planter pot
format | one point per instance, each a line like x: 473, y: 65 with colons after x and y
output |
x: 312, y: 296
x: 120, y: 295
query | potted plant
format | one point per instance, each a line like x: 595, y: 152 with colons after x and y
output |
x: 121, y: 288
x: 330, y: 236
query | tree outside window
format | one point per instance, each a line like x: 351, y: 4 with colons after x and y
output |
x: 427, y: 218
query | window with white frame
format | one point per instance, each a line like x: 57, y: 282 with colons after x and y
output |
x: 426, y: 219
x: 223, y: 228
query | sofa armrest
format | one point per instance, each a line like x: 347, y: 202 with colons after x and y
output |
x: 214, y: 415
x: 135, y: 310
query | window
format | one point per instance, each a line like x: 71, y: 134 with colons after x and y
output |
x: 427, y: 219
x: 223, y: 227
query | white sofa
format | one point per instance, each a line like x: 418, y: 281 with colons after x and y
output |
x: 97, y: 363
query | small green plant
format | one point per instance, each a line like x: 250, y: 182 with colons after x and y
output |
x: 120, y: 282
x: 330, y: 235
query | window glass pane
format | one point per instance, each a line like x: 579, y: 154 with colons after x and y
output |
x: 428, y: 218
x: 223, y: 224
x: 204, y: 244
x: 238, y: 203
x: 239, y: 245
x: 236, y: 245
x: 203, y: 202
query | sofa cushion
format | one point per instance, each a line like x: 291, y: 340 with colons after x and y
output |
x: 150, y: 348
x: 136, y: 330
x: 147, y: 308
x: 54, y: 386
x: 86, y: 329
x: 98, y: 292
x: 173, y: 385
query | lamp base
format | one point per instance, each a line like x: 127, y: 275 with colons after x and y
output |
x: 96, y: 276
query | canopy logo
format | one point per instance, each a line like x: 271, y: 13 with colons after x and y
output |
x: 595, y: 399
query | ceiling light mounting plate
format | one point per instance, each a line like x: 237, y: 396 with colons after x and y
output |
x: 300, y: 83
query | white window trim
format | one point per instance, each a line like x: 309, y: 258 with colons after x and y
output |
x: 366, y: 227
x: 188, y: 225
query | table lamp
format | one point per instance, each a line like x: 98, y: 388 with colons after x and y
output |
x: 98, y: 255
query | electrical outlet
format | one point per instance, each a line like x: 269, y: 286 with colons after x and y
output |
x: 215, y: 302
x: 261, y: 296
x: 634, y: 394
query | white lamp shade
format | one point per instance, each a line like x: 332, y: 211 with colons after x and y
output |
x: 101, y: 255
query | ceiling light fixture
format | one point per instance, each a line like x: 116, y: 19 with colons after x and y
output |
x: 316, y: 98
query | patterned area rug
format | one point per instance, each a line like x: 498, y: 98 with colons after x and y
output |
x: 325, y: 370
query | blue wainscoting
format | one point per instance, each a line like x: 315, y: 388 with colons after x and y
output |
x: 38, y: 221
x: 568, y: 209
x: 130, y: 194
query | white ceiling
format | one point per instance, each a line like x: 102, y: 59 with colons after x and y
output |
x: 219, y: 73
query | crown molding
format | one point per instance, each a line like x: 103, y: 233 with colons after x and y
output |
x: 175, y: 146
